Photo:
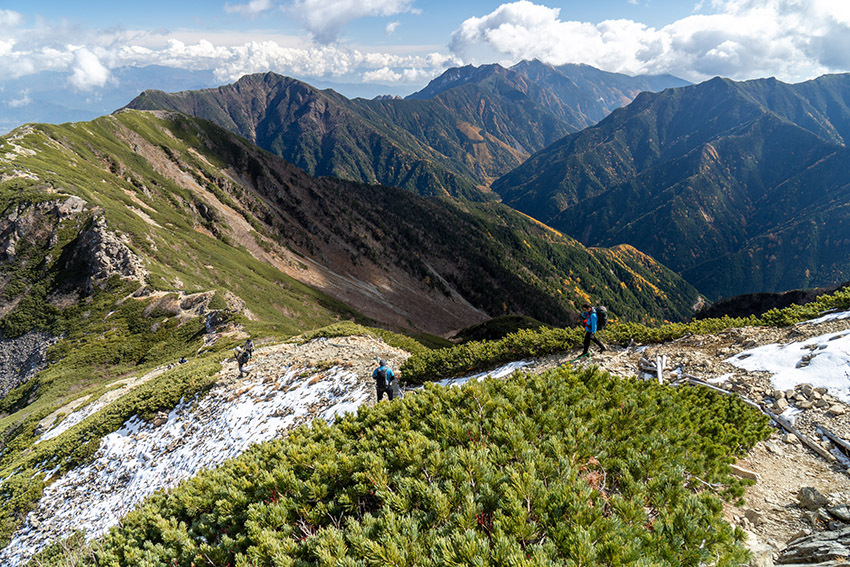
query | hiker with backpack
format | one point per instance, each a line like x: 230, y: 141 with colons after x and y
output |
x: 593, y: 323
x: 243, y: 355
x: 384, y: 377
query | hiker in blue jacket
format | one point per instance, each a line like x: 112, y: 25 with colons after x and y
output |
x: 384, y: 377
x: 589, y: 317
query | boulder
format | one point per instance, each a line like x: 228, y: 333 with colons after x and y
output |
x: 824, y: 546
x: 842, y: 512
x: 810, y: 498
x: 762, y: 553
x: 741, y: 472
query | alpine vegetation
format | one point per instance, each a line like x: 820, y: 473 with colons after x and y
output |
x: 571, y: 468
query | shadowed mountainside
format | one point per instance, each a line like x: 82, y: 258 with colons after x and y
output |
x: 740, y: 187
x: 454, y: 137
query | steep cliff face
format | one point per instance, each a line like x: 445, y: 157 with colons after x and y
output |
x: 59, y: 248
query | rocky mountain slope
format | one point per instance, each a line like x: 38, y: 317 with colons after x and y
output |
x: 740, y: 187
x: 454, y: 137
x: 400, y: 259
x: 579, y: 95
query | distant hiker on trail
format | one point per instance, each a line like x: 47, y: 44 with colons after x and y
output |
x: 384, y: 377
x: 590, y: 319
x: 243, y: 355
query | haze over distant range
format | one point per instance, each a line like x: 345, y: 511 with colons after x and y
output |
x: 72, y: 61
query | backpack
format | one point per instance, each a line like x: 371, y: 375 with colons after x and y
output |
x: 601, y: 317
x: 381, y: 376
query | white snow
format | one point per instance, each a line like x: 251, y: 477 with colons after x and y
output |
x: 720, y: 379
x: 828, y: 366
x: 72, y: 420
x: 500, y: 372
x: 140, y: 458
x: 790, y: 414
x: 837, y: 316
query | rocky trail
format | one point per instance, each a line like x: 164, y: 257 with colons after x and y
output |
x: 798, y: 495
x: 288, y: 385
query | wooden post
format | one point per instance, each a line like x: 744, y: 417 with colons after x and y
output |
x: 833, y: 437
x: 805, y: 440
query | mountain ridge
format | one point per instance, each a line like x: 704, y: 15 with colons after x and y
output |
x: 450, y: 139
x: 704, y: 176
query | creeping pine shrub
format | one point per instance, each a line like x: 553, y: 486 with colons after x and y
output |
x: 475, y: 356
x: 565, y: 468
x: 348, y: 328
x: 479, y: 355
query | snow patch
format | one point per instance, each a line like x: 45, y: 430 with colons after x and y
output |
x: 72, y: 420
x: 720, y: 379
x: 837, y: 316
x: 500, y: 372
x: 141, y: 458
x: 822, y: 361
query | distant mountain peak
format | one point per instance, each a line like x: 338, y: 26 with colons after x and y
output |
x: 457, y: 76
x: 469, y: 126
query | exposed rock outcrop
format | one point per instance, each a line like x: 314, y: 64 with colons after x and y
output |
x: 105, y: 254
x: 833, y: 545
x: 35, y: 222
x: 22, y: 358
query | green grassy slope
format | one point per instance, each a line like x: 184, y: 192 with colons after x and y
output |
x: 123, y: 328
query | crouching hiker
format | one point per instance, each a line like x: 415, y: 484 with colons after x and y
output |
x: 590, y: 319
x: 384, y: 377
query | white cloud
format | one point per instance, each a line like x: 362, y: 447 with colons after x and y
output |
x: 382, y: 75
x: 325, y: 19
x: 87, y: 56
x: 791, y: 39
x: 6, y: 48
x: 9, y: 18
x: 22, y: 100
x: 87, y: 71
x: 391, y: 27
x: 334, y: 61
x: 249, y: 10
x: 741, y: 39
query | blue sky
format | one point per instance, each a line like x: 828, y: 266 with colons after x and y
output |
x: 404, y: 43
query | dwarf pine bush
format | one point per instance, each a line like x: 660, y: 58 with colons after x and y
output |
x: 565, y: 468
x: 528, y: 343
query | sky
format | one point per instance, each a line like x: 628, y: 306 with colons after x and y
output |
x: 404, y: 43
